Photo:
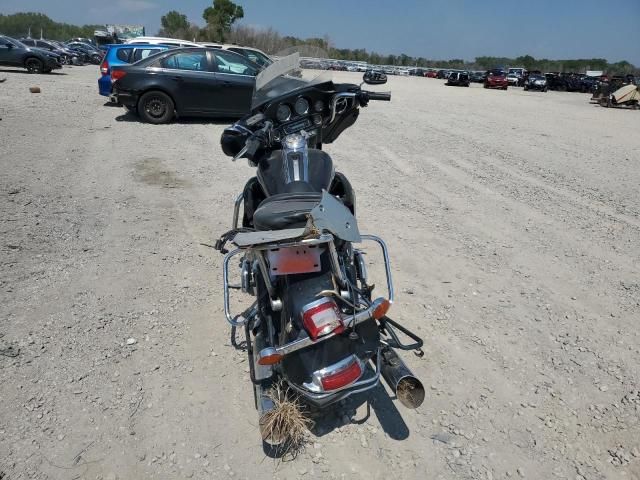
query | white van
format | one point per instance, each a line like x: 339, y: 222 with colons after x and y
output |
x: 172, y: 42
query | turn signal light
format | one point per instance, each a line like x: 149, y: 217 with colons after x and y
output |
x: 382, y: 306
x: 269, y: 356
x: 104, y: 68
x: 321, y: 318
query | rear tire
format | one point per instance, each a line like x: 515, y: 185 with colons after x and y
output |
x: 156, y: 107
x: 34, y: 65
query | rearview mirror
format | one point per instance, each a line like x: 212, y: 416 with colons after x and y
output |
x: 374, y: 78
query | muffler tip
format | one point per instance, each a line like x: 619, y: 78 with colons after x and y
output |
x: 410, y: 392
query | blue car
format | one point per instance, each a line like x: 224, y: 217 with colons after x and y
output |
x: 123, y: 55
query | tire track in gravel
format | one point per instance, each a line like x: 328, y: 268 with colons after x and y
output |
x: 452, y: 177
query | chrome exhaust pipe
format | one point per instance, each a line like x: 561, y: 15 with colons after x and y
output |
x: 264, y: 405
x: 408, y: 389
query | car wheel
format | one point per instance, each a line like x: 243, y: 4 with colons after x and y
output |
x: 33, y: 65
x: 156, y: 107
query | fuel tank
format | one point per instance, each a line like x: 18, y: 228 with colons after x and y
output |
x: 309, y: 170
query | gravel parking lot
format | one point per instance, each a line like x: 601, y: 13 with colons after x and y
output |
x: 513, y: 220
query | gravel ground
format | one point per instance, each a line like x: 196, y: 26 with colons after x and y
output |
x: 513, y: 220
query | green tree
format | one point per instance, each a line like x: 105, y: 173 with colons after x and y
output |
x: 174, y: 24
x: 220, y: 18
x: 19, y: 24
x: 527, y: 61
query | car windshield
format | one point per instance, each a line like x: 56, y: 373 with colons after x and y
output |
x: 15, y: 42
x: 255, y: 56
x: 280, y: 78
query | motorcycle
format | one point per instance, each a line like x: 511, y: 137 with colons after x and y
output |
x: 314, y: 323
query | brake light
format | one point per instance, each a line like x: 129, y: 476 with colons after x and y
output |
x: 343, y: 377
x: 117, y: 75
x: 104, y: 68
x: 321, y: 318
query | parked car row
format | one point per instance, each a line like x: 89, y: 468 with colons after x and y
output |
x: 43, y: 56
x: 160, y: 80
x: 498, y: 78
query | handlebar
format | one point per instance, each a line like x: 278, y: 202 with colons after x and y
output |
x: 254, y: 142
x: 384, y: 96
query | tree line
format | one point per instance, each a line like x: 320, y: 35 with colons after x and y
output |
x: 19, y: 24
x: 220, y: 19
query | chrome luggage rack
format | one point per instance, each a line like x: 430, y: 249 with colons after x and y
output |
x: 258, y: 251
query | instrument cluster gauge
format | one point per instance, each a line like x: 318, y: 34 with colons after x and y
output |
x: 318, y: 106
x: 284, y: 113
x: 301, y: 106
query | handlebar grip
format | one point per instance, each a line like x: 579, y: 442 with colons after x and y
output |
x: 384, y: 96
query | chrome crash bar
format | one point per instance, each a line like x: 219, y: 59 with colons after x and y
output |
x: 387, y: 263
x: 238, y: 320
x: 236, y: 210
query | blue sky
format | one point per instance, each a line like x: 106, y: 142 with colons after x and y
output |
x: 430, y: 28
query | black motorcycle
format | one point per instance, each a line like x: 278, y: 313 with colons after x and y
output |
x: 314, y: 323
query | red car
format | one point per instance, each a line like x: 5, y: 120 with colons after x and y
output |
x: 431, y: 74
x: 494, y: 80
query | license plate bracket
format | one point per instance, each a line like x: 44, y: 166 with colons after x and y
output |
x: 295, y: 259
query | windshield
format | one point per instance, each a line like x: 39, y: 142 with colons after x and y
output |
x: 17, y: 43
x: 284, y: 76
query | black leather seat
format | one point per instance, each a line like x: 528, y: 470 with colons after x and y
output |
x: 285, y: 210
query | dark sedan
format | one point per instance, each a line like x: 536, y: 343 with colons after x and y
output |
x: 478, y: 77
x: 15, y: 54
x: 194, y: 81
x: 536, y: 81
x: 458, y: 79
x: 93, y: 54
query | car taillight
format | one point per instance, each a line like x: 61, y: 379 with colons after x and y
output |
x: 104, y: 68
x: 117, y: 75
x: 342, y: 377
x: 321, y: 318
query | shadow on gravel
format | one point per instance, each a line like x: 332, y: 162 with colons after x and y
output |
x: 377, y: 400
x: 24, y: 72
x: 130, y: 117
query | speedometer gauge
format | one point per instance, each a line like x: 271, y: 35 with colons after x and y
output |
x: 302, y: 106
x: 284, y: 113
